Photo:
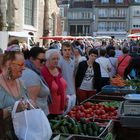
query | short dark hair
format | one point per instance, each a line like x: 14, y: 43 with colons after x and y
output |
x: 93, y: 51
x: 66, y: 44
x: 35, y: 51
x: 112, y: 53
x: 125, y: 50
x: 103, y: 52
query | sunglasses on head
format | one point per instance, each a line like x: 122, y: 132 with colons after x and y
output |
x: 42, y: 61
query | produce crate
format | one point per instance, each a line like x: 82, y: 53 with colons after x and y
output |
x: 104, y: 126
x: 112, y: 97
x: 110, y: 107
x: 108, y: 129
x: 98, y: 99
x: 109, y: 89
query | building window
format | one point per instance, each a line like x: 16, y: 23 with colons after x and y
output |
x: 72, y: 29
x: 103, y: 13
x: 79, y: 29
x: 113, y: 12
x: 119, y: 1
x: 102, y: 26
x: 62, y: 12
x: 137, y: 13
x: 86, y: 29
x: 29, y: 12
x: 104, y: 1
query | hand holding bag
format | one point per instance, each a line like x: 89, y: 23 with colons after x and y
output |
x: 31, y: 124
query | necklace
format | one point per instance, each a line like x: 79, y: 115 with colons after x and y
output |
x: 10, y: 90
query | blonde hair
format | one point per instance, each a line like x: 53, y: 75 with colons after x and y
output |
x: 9, y: 56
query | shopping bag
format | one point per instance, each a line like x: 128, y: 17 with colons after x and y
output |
x: 31, y: 124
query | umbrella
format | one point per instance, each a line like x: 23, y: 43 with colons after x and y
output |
x: 134, y: 35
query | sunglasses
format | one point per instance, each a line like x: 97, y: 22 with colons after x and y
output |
x: 42, y: 61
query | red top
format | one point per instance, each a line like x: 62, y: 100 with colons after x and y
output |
x: 57, y: 86
x: 123, y: 65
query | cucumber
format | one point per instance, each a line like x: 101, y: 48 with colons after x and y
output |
x: 56, y: 125
x: 62, y: 129
x: 80, y: 129
x: 76, y: 129
x: 90, y: 131
x: 109, y: 136
x: 72, y: 121
x: 53, y: 121
x: 84, y: 126
x: 66, y: 130
x: 82, y: 120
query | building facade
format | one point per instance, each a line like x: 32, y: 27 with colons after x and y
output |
x: 36, y: 17
x: 80, y: 18
x: 116, y: 18
x: 134, y: 17
x: 111, y: 18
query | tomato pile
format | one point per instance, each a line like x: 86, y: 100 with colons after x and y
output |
x: 89, y: 110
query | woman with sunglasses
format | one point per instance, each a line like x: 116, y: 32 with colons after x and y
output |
x: 11, y: 90
x: 36, y: 86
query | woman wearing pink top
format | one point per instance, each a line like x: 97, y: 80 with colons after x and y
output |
x: 123, y: 61
x: 56, y: 83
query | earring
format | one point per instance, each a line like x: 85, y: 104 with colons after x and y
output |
x: 9, y: 73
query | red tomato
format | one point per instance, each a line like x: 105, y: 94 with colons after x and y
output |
x: 82, y: 114
x: 112, y: 108
x: 97, y: 112
x: 112, y: 114
x: 78, y: 110
x: 104, y: 116
x: 97, y: 107
x: 96, y: 116
x: 87, y: 111
x: 107, y: 108
x: 93, y: 107
x: 88, y: 115
x: 78, y: 107
x: 102, y: 112
x: 92, y: 113
x: 87, y: 105
x: 115, y: 112
x: 74, y: 108
x: 82, y: 108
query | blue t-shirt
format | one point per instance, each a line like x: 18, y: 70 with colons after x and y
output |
x: 68, y: 74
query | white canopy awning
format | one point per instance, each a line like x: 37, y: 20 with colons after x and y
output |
x: 19, y: 34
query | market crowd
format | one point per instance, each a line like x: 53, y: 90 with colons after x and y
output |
x: 59, y: 77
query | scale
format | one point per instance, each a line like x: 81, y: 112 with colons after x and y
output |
x: 130, y: 111
x: 131, y: 105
